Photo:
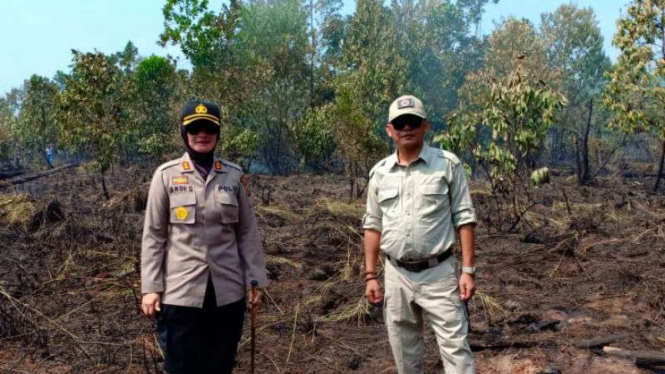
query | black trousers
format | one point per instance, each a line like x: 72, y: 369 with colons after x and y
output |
x: 201, y: 340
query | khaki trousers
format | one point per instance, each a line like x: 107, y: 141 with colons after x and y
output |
x: 431, y: 295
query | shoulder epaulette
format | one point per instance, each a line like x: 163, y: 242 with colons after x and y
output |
x: 449, y: 156
x: 231, y: 164
x: 168, y: 164
x: 378, y: 165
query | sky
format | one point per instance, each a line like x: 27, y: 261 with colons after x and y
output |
x: 37, y: 36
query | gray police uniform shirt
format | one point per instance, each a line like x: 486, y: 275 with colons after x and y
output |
x: 417, y: 208
x: 194, y: 228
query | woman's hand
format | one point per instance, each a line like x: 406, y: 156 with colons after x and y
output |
x: 256, y: 300
x: 151, y: 304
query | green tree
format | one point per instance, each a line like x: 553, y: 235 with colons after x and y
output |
x: 357, y: 140
x: 575, y: 47
x: 505, y: 112
x: 10, y: 105
x: 373, y: 71
x: 35, y: 128
x: 156, y: 95
x: 440, y: 47
x: 314, y: 140
x: 90, y: 112
x: 636, y: 93
x: 273, y: 41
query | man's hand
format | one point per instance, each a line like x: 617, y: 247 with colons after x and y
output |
x: 256, y: 300
x: 373, y: 292
x: 151, y: 304
x: 467, y: 286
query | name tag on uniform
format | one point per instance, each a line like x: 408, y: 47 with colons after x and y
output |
x: 180, y: 180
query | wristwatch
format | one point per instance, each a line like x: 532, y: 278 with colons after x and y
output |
x: 469, y: 269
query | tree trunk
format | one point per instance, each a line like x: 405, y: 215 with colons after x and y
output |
x: 582, y: 151
x: 104, y: 189
x: 660, y: 169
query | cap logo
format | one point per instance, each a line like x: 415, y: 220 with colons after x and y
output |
x: 201, y: 109
x: 405, y: 103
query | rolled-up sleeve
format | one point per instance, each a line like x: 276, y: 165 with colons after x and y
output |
x: 155, y: 232
x: 249, y: 241
x: 460, y: 198
x: 373, y: 214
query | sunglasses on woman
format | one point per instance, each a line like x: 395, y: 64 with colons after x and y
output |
x: 401, y: 122
x: 196, y: 127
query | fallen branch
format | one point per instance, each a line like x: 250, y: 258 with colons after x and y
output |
x: 10, y: 174
x: 29, y: 178
x: 598, y: 342
x: 640, y: 358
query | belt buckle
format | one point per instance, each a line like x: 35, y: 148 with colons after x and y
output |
x: 432, y: 262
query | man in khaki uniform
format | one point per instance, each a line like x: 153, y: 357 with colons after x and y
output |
x: 201, y: 250
x: 417, y: 199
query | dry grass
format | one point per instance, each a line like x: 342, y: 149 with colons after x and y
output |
x: 17, y: 209
x: 286, y: 214
x: 282, y: 261
x: 491, y: 306
x: 359, y: 312
x: 355, y: 208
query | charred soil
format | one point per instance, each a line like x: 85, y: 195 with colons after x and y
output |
x: 584, y: 263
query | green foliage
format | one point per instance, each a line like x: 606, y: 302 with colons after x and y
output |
x: 90, y: 111
x: 314, y: 141
x: 518, y: 116
x: 35, y: 129
x: 508, y: 106
x: 575, y: 48
x: 156, y: 95
x: 9, y: 106
x: 635, y: 93
x: 240, y: 145
x: 357, y: 140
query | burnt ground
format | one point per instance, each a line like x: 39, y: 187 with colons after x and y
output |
x: 584, y: 263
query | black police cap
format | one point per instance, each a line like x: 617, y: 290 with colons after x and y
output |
x: 196, y: 110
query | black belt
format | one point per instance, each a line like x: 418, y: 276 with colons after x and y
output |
x: 419, y: 266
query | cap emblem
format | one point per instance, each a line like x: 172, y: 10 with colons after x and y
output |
x: 405, y: 103
x: 201, y: 109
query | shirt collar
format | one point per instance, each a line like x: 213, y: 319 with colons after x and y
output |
x: 425, y: 155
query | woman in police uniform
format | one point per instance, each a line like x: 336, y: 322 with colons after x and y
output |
x: 200, y: 251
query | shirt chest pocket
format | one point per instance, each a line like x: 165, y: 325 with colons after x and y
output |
x: 434, y: 201
x: 389, y: 203
x: 183, y: 208
x: 228, y: 205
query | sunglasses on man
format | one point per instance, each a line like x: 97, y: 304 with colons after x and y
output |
x: 401, y: 122
x: 207, y: 127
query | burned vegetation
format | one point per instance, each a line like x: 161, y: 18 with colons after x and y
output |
x: 575, y: 285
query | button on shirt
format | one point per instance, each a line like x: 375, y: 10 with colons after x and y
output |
x: 195, y: 227
x: 417, y: 208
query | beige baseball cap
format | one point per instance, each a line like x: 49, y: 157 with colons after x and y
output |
x: 407, y: 104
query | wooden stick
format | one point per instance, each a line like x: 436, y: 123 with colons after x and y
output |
x: 254, y: 285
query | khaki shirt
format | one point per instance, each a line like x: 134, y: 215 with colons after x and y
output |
x: 417, y: 208
x: 194, y: 228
